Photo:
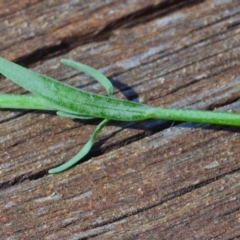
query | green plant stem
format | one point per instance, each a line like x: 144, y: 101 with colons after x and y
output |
x: 12, y: 101
x: 203, y: 116
x: 67, y: 101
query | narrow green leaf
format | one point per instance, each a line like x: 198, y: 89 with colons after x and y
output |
x: 88, y: 146
x: 98, y: 76
x: 71, y: 100
x: 8, y: 101
x: 84, y: 151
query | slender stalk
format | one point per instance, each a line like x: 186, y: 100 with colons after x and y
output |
x: 203, y: 116
x: 13, y: 101
x: 50, y: 94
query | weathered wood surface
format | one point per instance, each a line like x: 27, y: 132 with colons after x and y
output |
x: 146, y: 180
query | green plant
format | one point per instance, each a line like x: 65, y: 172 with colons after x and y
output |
x: 67, y: 101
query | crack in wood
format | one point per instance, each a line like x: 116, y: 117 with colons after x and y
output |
x: 152, y: 12
x: 22, y: 178
x: 140, y: 17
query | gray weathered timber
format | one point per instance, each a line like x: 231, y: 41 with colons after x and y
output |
x: 145, y: 180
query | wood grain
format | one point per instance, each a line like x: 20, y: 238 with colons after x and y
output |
x: 142, y: 180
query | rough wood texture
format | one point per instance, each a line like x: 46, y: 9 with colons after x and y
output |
x: 146, y: 180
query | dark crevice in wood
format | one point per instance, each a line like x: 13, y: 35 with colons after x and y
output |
x: 234, y: 210
x: 95, y: 152
x: 38, y: 175
x: 235, y: 237
x: 20, y: 114
x: 93, y: 235
x: 194, y: 203
x: 233, y: 25
x: 189, y: 64
x: 22, y: 178
x: 227, y: 19
x: 45, y: 52
x: 213, y: 106
x: 97, y: 149
x: 152, y: 12
x: 227, y: 102
x: 194, y: 81
x: 210, y: 38
x: 183, y: 191
x: 132, y: 20
x: 149, y: 129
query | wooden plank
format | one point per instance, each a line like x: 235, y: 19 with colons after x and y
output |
x: 45, y: 27
x: 143, y: 180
